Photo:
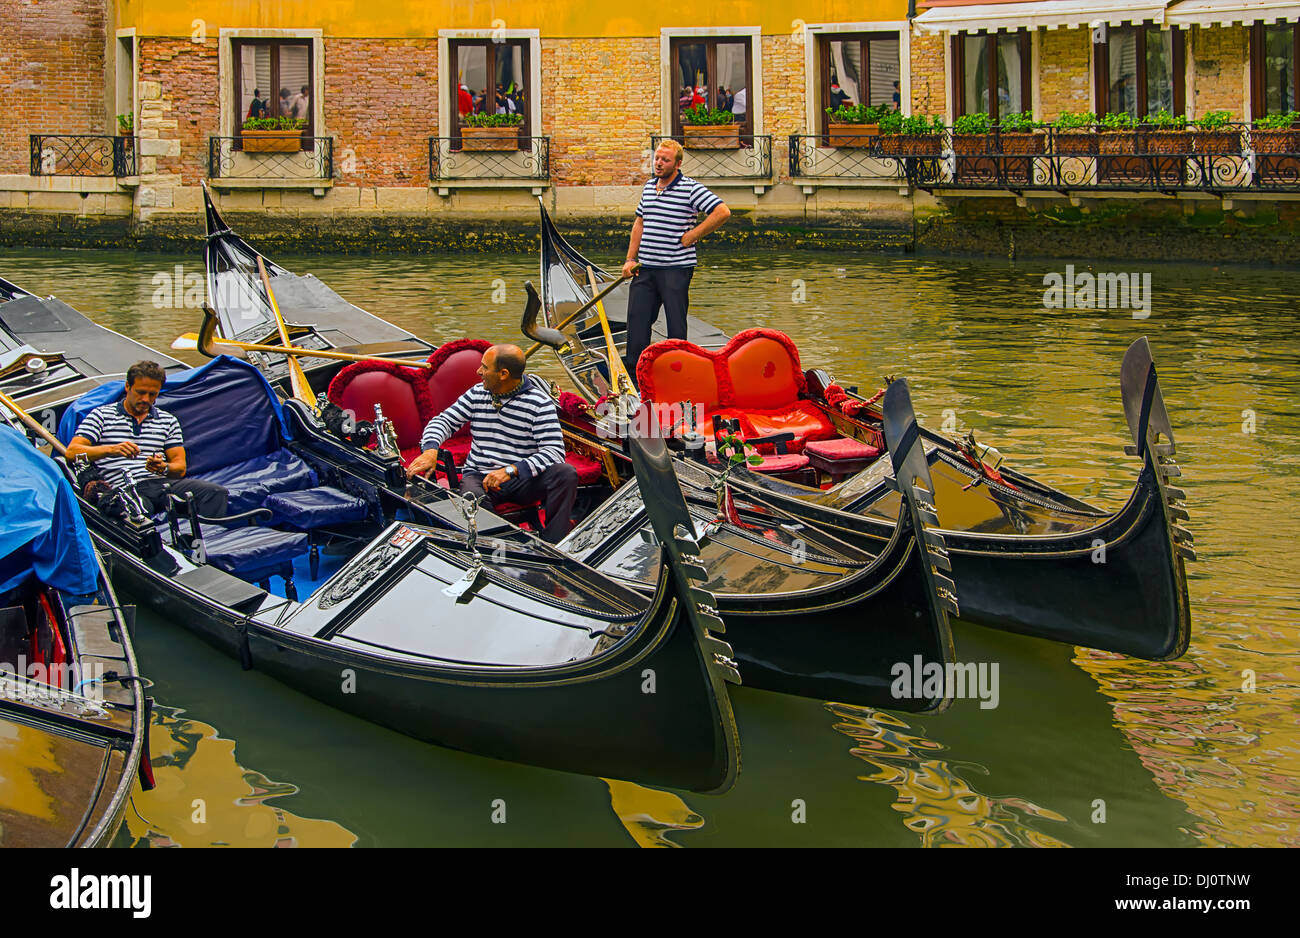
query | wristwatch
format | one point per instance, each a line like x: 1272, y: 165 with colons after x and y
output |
x: 512, y: 471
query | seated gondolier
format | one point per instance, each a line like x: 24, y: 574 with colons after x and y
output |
x: 663, y: 242
x: 134, y: 441
x: 517, y: 453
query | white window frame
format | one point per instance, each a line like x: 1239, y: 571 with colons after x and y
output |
x: 812, y: 76
x: 226, y: 72
x: 446, y: 80
x: 668, y: 97
x: 128, y: 85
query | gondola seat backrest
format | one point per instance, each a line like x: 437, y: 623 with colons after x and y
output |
x: 233, y: 428
x: 755, y: 377
x: 402, y: 392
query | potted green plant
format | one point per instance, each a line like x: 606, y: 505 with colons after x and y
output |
x: 272, y: 134
x: 125, y: 125
x: 1166, y: 134
x: 971, y: 135
x: 1214, y: 134
x: 480, y: 132
x: 853, y: 125
x: 1074, y: 134
x: 917, y: 136
x: 1277, y: 134
x: 1117, y: 134
x: 710, y: 128
x: 1019, y: 135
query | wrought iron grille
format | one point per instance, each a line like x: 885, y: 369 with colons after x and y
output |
x: 716, y: 157
x: 229, y: 158
x: 529, y: 158
x: 811, y: 156
x: 1235, y: 159
x: 83, y: 155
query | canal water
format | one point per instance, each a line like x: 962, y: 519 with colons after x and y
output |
x: 1082, y: 749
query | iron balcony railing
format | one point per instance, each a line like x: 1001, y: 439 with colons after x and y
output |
x: 1235, y: 158
x: 454, y: 158
x: 83, y: 155
x: 311, y: 158
x: 726, y: 156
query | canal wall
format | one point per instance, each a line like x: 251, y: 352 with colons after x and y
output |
x: 96, y: 213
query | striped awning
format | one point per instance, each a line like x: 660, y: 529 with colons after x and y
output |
x: 1230, y: 12
x: 1070, y: 14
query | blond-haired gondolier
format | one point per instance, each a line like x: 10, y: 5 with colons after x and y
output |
x: 663, y: 241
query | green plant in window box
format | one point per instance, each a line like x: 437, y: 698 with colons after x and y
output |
x: 854, y: 125
x: 915, y: 136
x: 709, y: 128
x: 1018, y: 136
x: 1166, y: 134
x: 1118, y: 136
x: 970, y: 135
x: 272, y: 134
x: 490, y: 132
x: 125, y: 124
x: 1074, y: 134
x: 1278, y: 133
x: 1214, y: 134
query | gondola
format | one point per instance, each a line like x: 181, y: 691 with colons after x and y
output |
x: 807, y: 614
x: 74, y: 719
x: 50, y: 353
x: 1029, y: 558
x: 459, y: 639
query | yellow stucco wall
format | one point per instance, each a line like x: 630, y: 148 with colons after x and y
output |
x: 555, y: 18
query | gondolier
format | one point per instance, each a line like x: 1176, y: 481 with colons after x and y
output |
x: 663, y: 242
x: 517, y: 454
x: 133, y: 441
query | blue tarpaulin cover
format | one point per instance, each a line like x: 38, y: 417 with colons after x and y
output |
x: 226, y: 409
x: 42, y: 533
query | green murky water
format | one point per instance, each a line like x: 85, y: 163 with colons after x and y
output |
x: 1083, y: 748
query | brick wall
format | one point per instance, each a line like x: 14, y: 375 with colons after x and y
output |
x: 178, y: 102
x: 784, y: 95
x: 51, y: 73
x: 1063, y: 72
x: 600, y: 106
x: 929, y: 95
x: 381, y: 104
x: 1218, y: 56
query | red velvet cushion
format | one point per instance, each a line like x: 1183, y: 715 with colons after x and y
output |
x: 841, y: 448
x: 359, y: 391
x: 676, y: 370
x: 803, y: 418
x: 764, y: 371
x: 589, y: 470
x: 454, y: 371
x: 781, y: 462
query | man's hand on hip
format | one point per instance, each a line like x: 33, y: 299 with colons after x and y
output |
x: 422, y: 464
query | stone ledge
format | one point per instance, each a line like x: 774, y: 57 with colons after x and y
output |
x: 19, y: 183
x: 220, y: 184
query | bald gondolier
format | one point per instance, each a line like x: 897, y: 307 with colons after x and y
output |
x: 663, y: 242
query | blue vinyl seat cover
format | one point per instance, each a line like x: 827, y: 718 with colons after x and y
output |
x: 250, y: 481
x: 252, y: 553
x: 314, y: 508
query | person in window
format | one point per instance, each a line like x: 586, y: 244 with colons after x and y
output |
x: 739, y: 104
x: 258, y: 107
x: 684, y: 99
x: 898, y: 98
x: 838, y: 95
x: 286, y: 102
x: 699, y: 96
x: 464, y: 100
x: 301, y: 103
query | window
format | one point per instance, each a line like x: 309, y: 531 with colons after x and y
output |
x: 859, y: 68
x: 716, y: 72
x: 489, y: 78
x: 991, y: 72
x: 1274, y: 81
x: 1140, y: 70
x: 274, y: 78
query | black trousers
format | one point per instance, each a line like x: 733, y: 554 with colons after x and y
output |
x: 556, y: 488
x: 651, y: 288
x: 210, y: 498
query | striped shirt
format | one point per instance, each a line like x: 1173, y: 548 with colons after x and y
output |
x: 110, y: 424
x: 524, y: 433
x: 668, y: 215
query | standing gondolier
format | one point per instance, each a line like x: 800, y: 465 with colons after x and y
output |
x: 663, y: 242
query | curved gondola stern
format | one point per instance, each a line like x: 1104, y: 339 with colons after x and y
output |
x: 661, y: 494
x: 912, y: 476
x: 1153, y: 441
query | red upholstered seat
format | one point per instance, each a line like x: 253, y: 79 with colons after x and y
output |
x: 401, y: 391
x: 781, y: 462
x: 841, y: 448
x: 756, y: 376
x: 589, y: 470
x: 453, y: 370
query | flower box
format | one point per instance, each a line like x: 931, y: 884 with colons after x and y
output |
x: 851, y: 135
x: 928, y: 146
x: 711, y: 136
x: 1217, y: 142
x: 1074, y: 143
x: 490, y: 138
x: 271, y: 141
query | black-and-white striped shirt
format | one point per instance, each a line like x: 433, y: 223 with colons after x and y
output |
x: 110, y: 424
x: 668, y: 215
x: 524, y: 433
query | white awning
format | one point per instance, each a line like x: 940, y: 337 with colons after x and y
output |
x: 1230, y: 12
x: 1068, y: 13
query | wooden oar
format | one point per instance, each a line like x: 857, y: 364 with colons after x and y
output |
x: 33, y: 423
x: 619, y: 378
x: 297, y: 378
x: 192, y: 340
x: 585, y: 307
